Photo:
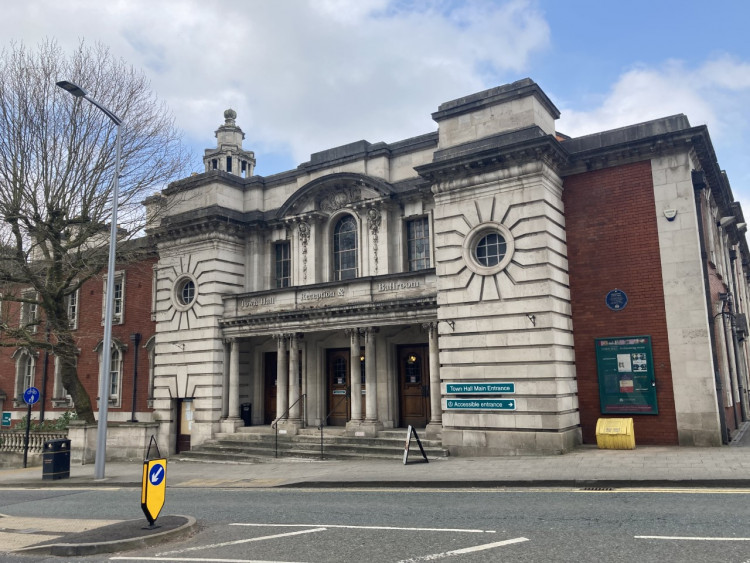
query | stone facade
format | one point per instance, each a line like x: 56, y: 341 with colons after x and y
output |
x: 399, y: 272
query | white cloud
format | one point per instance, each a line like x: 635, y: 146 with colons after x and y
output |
x: 302, y: 75
x: 645, y: 93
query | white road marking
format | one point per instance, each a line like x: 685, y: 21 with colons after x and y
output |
x: 688, y: 538
x: 468, y: 531
x: 196, y: 559
x: 237, y: 542
x: 443, y: 555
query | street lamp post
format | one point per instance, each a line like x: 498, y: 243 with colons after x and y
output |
x: 105, y: 370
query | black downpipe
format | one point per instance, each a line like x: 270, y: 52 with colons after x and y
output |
x: 699, y: 184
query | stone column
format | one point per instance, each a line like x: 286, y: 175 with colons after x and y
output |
x: 371, y: 425
x: 232, y: 421
x: 294, y: 411
x: 355, y: 377
x: 371, y: 382
x: 435, y: 426
x: 282, y: 376
x: 234, y: 379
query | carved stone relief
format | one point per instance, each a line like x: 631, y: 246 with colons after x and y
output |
x: 339, y: 197
x: 374, y: 219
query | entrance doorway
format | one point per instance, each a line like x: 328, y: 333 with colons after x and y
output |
x: 184, y: 424
x: 338, y: 377
x: 413, y: 381
x: 269, y: 403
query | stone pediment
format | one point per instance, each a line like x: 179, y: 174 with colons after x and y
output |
x: 333, y: 192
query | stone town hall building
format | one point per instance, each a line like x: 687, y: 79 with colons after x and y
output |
x: 496, y: 282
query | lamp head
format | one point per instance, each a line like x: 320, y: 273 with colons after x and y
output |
x: 74, y: 89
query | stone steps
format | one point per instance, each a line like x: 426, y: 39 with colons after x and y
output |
x: 249, y: 447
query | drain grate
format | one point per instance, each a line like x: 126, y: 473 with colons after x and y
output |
x: 598, y: 489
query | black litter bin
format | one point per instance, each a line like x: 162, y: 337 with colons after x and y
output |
x: 245, y: 414
x: 56, y: 459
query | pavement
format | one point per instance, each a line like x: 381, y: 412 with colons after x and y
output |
x: 586, y: 467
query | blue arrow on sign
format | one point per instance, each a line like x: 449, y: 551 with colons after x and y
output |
x: 31, y: 395
x: 157, y: 474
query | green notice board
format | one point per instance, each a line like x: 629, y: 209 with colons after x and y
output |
x: 626, y: 375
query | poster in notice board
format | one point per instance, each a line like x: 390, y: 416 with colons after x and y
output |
x: 626, y: 375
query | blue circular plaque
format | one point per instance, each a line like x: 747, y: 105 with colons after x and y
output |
x: 31, y: 395
x: 616, y: 300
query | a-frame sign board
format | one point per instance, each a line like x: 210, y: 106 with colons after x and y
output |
x: 409, y: 432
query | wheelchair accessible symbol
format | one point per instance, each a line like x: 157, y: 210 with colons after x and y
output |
x: 157, y: 474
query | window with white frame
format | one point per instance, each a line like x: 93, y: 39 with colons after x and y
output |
x: 29, y: 310
x: 72, y: 305
x: 60, y: 397
x: 25, y: 370
x: 115, y: 371
x: 345, y: 249
x: 418, y: 244
x: 118, y: 304
x: 283, y: 264
x: 115, y: 376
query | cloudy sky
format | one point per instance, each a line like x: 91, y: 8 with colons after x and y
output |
x: 304, y: 75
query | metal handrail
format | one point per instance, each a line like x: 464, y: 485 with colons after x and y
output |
x: 325, y: 420
x: 275, y: 423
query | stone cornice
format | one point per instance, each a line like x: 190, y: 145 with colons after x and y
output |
x: 210, y: 219
x: 496, y: 157
x: 401, y: 307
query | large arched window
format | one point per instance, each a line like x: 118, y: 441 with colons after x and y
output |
x: 345, y: 249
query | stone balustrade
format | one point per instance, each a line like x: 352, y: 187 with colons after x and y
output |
x: 13, y: 440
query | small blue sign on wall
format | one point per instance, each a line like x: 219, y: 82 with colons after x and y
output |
x: 616, y: 300
x: 6, y: 418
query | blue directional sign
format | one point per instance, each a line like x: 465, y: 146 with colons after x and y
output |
x: 31, y: 395
x: 481, y: 404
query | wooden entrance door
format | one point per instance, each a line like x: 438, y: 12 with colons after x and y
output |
x: 337, y: 375
x: 269, y: 401
x: 184, y: 424
x: 414, y: 390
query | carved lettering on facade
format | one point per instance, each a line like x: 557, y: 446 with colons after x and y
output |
x: 395, y: 286
x: 256, y: 302
x: 321, y: 295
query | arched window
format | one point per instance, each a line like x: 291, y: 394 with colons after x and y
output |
x: 115, y: 375
x: 115, y: 370
x: 25, y: 369
x: 345, y: 249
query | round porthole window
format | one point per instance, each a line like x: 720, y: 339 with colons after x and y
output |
x: 488, y: 248
x: 185, y: 292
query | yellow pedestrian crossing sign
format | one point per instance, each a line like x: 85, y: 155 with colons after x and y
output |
x: 153, y: 488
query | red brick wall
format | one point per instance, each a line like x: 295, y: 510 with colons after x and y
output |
x: 90, y: 331
x: 613, y: 243
x: 138, y: 282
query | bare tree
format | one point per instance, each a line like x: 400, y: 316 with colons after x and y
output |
x: 57, y: 159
